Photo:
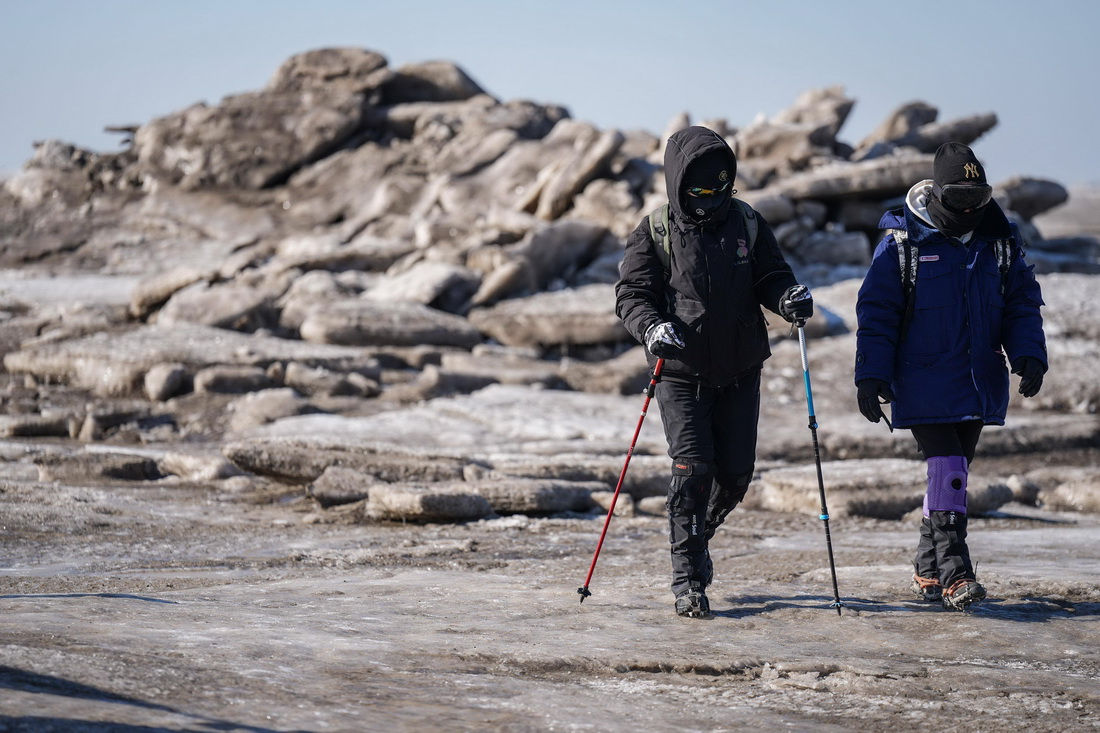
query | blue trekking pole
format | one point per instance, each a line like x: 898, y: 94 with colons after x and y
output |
x: 817, y: 458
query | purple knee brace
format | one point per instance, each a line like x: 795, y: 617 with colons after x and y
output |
x: 946, y: 485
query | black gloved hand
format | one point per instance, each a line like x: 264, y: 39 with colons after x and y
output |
x: 796, y: 304
x: 663, y: 340
x: 868, y: 392
x: 1031, y: 372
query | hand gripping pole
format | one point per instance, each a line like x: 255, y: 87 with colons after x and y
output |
x: 817, y: 458
x: 583, y: 590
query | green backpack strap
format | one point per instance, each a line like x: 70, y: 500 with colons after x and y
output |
x: 752, y: 221
x: 661, y: 233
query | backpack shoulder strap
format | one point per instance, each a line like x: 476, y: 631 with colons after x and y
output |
x: 751, y: 220
x: 908, y: 262
x: 1004, y: 250
x: 661, y: 235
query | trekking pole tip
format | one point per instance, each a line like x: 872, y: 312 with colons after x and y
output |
x: 583, y: 590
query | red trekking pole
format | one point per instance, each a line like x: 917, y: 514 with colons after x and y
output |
x: 583, y: 590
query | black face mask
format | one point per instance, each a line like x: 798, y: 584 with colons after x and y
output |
x: 953, y: 223
x: 702, y: 209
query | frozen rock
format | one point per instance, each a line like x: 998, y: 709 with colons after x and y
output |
x: 79, y: 468
x: 31, y: 426
x: 1030, y: 197
x: 880, y: 488
x: 610, y: 204
x: 897, y: 125
x: 101, y: 419
x: 625, y: 506
x: 654, y: 505
x: 420, y: 503
x: 835, y: 248
x: 165, y: 381
x: 237, y: 306
x: 208, y: 214
x: 242, y: 141
x: 584, y: 315
x: 152, y: 292
x: 367, y: 323
x: 437, y: 284
x: 338, y: 485
x: 572, y: 174
x: 303, y: 460
x: 510, y: 495
x: 262, y: 406
x: 231, y: 379
x: 646, y: 475
x: 884, y: 177
x: 502, y: 367
x: 200, y: 468
x: 349, y: 69
x: 433, y: 382
x: 116, y: 363
x: 429, y: 81
x: 320, y: 381
x: 1023, y: 490
x: 1075, y: 496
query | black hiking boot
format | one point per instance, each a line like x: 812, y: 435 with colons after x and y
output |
x: 927, y: 589
x: 693, y: 604
x: 963, y: 594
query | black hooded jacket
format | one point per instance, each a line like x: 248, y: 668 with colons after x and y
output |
x: 715, y: 285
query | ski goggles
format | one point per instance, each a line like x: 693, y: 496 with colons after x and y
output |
x: 963, y: 196
x: 704, y: 192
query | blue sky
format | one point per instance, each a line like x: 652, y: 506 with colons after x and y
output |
x: 72, y: 67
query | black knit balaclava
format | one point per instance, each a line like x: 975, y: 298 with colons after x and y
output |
x: 955, y: 163
x: 710, y: 170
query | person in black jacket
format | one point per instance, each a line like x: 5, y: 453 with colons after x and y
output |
x: 702, y: 315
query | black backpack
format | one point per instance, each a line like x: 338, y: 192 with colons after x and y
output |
x: 661, y: 233
x: 909, y: 261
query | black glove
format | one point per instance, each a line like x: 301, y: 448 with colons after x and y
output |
x: 868, y: 392
x: 1031, y: 372
x: 663, y: 340
x: 796, y: 304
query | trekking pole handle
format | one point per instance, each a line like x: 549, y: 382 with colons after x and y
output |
x: 649, y: 390
x: 806, y: 371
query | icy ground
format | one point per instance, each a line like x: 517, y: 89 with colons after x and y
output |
x: 171, y: 608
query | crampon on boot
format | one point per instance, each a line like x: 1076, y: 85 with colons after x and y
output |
x: 927, y: 589
x: 963, y: 594
x: 693, y: 604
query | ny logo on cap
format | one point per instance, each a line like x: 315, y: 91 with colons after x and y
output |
x: 971, y: 170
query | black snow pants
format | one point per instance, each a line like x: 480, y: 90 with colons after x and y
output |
x: 942, y: 552
x: 711, y: 436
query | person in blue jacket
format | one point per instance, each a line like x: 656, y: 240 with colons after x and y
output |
x: 938, y: 351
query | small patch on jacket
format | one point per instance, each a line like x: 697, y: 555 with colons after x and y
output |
x: 929, y: 258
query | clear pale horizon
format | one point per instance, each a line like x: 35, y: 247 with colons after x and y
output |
x: 74, y: 68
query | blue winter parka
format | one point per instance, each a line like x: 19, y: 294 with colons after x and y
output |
x: 951, y: 365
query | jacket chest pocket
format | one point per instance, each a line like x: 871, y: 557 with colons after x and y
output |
x: 938, y: 309
x: 936, y: 286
